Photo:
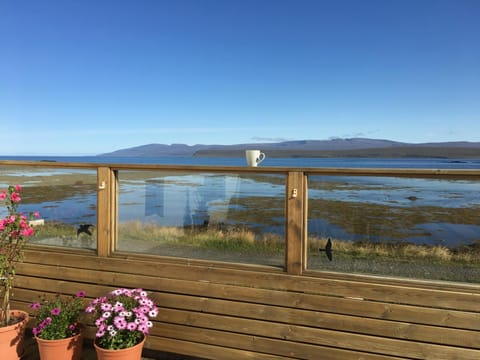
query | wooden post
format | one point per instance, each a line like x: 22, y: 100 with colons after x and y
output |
x: 104, y: 211
x: 295, y: 213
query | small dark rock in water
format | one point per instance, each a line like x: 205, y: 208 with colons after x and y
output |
x: 412, y: 198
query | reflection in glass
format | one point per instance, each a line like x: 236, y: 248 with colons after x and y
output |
x: 66, y: 200
x: 224, y: 217
x: 419, y: 228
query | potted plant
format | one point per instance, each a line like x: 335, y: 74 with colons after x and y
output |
x: 15, y: 228
x: 123, y: 320
x: 58, y: 332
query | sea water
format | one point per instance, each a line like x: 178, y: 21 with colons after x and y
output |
x: 409, y: 163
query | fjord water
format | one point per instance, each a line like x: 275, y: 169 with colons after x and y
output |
x: 407, y: 163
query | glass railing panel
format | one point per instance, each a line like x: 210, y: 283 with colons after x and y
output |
x: 65, y: 198
x: 407, y: 227
x: 211, y: 216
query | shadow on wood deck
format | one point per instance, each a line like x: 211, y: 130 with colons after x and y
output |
x: 88, y: 353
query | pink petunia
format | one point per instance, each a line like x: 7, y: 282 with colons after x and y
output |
x: 18, y: 187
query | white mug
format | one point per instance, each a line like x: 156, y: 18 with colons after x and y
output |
x: 254, y: 157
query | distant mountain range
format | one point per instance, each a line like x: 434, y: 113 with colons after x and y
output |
x: 354, y: 147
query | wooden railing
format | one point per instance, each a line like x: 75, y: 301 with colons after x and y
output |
x: 219, y: 310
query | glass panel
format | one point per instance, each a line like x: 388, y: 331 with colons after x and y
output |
x: 224, y: 217
x: 416, y: 228
x: 66, y: 200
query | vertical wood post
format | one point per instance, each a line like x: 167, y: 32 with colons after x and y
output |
x: 104, y: 211
x: 295, y: 214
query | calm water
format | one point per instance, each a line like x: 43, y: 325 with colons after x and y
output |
x: 192, y: 199
x: 287, y: 162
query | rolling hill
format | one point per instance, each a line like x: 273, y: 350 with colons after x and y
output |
x: 353, y: 147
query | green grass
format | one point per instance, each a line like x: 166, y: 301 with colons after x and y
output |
x: 465, y: 255
x: 229, y: 239
x: 242, y: 240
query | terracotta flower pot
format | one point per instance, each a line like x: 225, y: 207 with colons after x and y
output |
x: 131, y: 353
x: 65, y: 349
x: 12, y: 336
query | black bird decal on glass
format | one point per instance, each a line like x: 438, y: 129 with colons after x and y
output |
x: 328, y: 249
x: 84, y: 228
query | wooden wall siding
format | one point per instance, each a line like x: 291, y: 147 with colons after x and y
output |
x: 216, y: 312
x: 232, y: 311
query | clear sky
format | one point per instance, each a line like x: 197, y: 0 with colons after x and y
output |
x: 80, y: 77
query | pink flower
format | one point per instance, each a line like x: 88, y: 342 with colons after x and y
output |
x: 106, y: 314
x: 27, y: 232
x: 56, y: 311
x: 117, y: 292
x: 81, y: 294
x: 118, y: 307
x: 106, y: 307
x: 143, y: 301
x: 120, y: 322
x: 36, y: 214
x: 15, y: 197
x: 144, y: 309
x: 18, y: 187
x: 143, y: 328
x: 35, y: 306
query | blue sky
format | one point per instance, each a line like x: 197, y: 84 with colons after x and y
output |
x: 87, y: 77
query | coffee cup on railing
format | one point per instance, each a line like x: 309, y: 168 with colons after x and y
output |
x: 254, y: 157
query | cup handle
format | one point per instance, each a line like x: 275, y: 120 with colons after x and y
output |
x: 260, y: 158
